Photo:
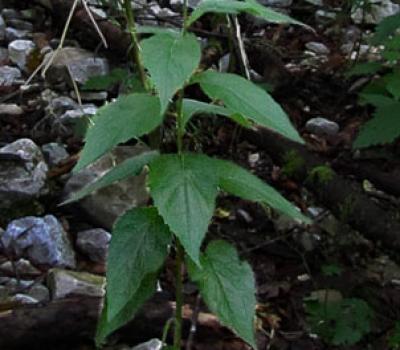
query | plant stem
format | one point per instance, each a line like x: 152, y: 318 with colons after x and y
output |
x: 178, y: 295
x: 135, y: 41
x: 180, y: 252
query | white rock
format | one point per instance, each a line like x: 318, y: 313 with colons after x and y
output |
x: 9, y: 75
x: 19, y: 51
x: 16, y: 34
x: 153, y: 344
x: 94, y: 243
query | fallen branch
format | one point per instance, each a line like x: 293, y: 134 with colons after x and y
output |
x: 345, y: 198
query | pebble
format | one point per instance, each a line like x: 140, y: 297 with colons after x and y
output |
x: 63, y: 283
x: 9, y: 13
x: 39, y: 292
x: 91, y: 96
x: 153, y: 344
x: 277, y: 3
x: 10, y: 109
x: 2, y: 28
x: 22, y: 267
x: 318, y: 48
x: 60, y: 105
x: 42, y: 241
x: 379, y: 9
x: 94, y: 243
x: 9, y: 75
x: 19, y: 51
x: 20, y: 24
x: 16, y: 34
x: 54, y: 153
x: 3, y: 55
x: 321, y: 126
x: 23, y: 172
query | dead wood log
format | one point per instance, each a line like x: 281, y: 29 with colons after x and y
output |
x: 69, y: 323
x: 344, y: 197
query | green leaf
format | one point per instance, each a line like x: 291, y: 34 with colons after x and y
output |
x: 242, y: 96
x: 240, y: 182
x: 393, y: 84
x: 342, y: 322
x: 364, y: 69
x: 228, y: 288
x: 129, y: 116
x: 157, y: 30
x: 171, y: 60
x: 193, y: 107
x: 383, y: 128
x: 130, y: 167
x: 107, y: 325
x: 385, y: 28
x: 184, y: 191
x: 138, y: 247
x: 251, y: 7
x: 104, y: 82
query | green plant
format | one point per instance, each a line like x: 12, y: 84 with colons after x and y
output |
x: 293, y: 163
x: 339, y: 322
x: 383, y: 92
x: 320, y: 174
x: 394, y: 339
x: 183, y: 185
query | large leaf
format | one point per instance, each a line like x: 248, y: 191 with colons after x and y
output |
x: 193, y: 107
x: 139, y: 246
x: 130, y: 167
x: 107, y: 325
x: 240, y: 182
x: 170, y: 60
x: 383, y: 128
x: 235, y: 7
x: 129, y: 116
x: 241, y: 96
x: 227, y: 286
x: 184, y: 189
x: 385, y: 28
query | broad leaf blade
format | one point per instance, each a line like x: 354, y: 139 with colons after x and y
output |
x: 171, y: 60
x: 193, y: 107
x: 130, y: 167
x: 241, y: 96
x: 106, y: 325
x: 228, y: 288
x: 383, y: 128
x: 240, y: 182
x: 184, y: 191
x: 129, y: 116
x: 139, y: 246
x: 236, y: 7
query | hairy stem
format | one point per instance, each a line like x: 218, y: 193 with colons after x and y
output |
x: 135, y: 41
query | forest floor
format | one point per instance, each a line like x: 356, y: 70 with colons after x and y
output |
x: 320, y: 286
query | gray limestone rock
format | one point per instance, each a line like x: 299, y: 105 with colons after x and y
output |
x: 2, y: 28
x: 153, y: 344
x: 379, y: 9
x: 76, y: 63
x: 43, y: 241
x: 54, y: 153
x: 16, y: 34
x: 94, y: 243
x: 318, y: 48
x: 105, y: 205
x: 19, y: 50
x: 9, y: 75
x: 23, y: 172
x: 322, y: 126
x: 64, y: 283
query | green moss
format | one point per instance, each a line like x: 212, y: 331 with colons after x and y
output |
x: 320, y: 174
x: 293, y: 164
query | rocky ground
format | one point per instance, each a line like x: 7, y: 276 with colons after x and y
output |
x: 55, y: 255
